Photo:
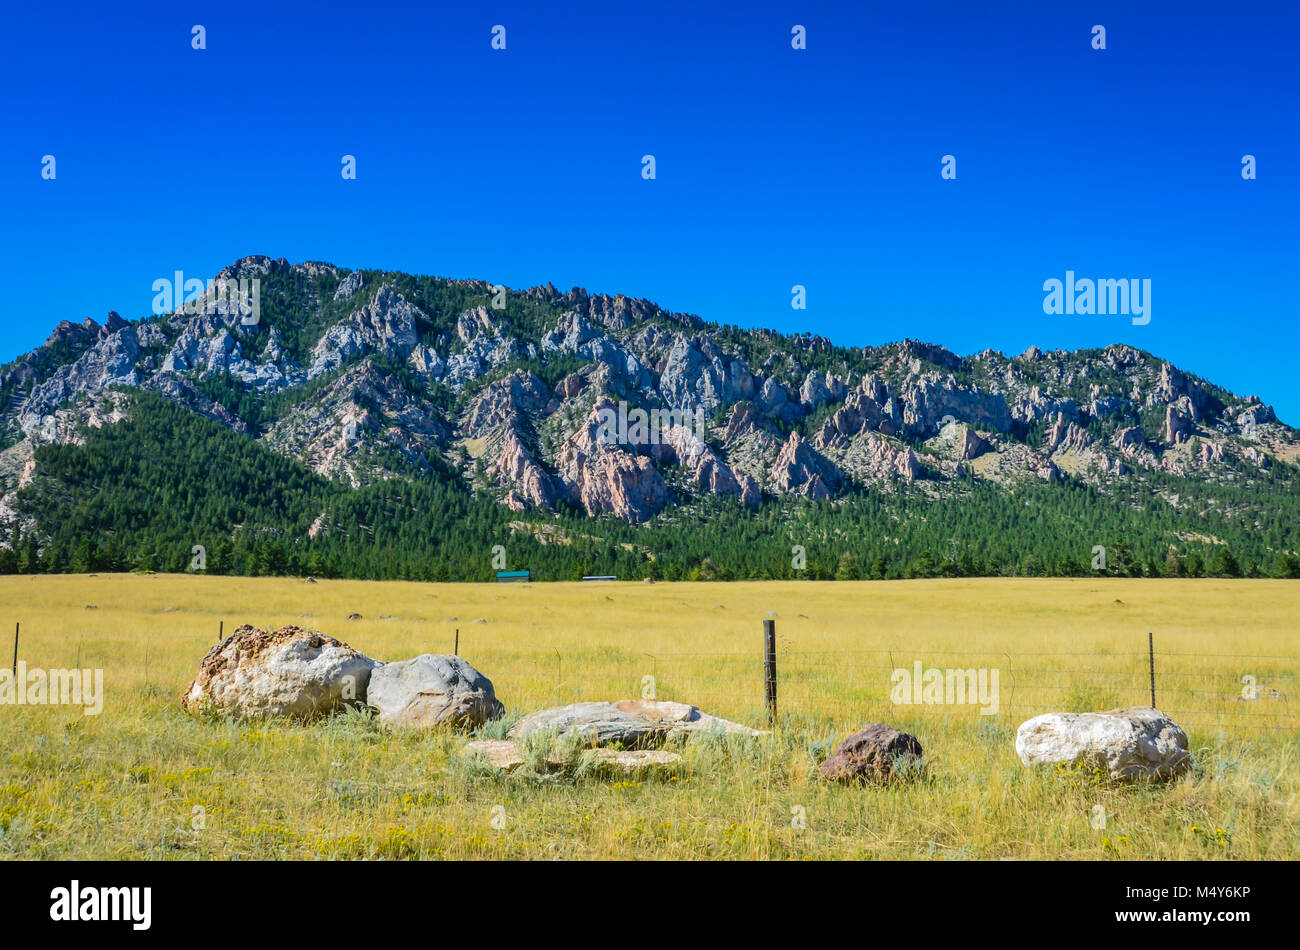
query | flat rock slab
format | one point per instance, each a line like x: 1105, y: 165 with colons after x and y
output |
x: 1130, y: 744
x: 506, y: 755
x: 872, y: 754
x: 431, y: 690
x: 300, y: 674
x: 636, y: 723
x: 635, y: 760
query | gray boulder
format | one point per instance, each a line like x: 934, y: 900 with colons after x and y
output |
x: 636, y: 723
x: 431, y: 690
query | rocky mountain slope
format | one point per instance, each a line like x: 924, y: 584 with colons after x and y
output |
x: 366, y: 376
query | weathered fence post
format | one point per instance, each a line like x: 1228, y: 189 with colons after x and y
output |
x: 16, y: 626
x: 769, y: 667
x: 1151, y: 655
x: 455, y: 651
x: 221, y: 630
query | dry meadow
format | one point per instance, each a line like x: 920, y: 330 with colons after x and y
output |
x: 143, y: 780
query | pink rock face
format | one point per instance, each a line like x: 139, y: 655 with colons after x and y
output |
x: 1130, y: 440
x: 618, y: 482
x: 1065, y: 436
x: 896, y: 460
x: 532, y: 484
x: 800, y: 469
x: 709, y: 472
x: 971, y: 445
x: 1178, y: 428
x: 609, y: 478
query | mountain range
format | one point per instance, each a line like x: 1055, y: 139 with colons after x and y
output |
x: 362, y: 380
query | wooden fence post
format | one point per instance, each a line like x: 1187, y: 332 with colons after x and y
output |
x: 769, y: 668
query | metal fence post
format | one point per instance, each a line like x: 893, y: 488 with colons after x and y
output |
x: 769, y: 667
x: 1151, y: 655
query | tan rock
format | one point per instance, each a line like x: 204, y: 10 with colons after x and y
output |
x: 638, y: 760
x: 501, y: 753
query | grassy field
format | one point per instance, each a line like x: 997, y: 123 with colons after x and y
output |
x: 144, y: 780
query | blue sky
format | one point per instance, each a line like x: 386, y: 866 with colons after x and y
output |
x: 775, y: 167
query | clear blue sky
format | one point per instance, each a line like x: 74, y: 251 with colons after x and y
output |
x: 775, y: 167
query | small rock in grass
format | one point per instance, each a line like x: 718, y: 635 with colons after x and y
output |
x: 874, y: 753
x: 499, y: 753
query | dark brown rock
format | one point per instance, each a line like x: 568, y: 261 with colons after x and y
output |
x: 871, y: 755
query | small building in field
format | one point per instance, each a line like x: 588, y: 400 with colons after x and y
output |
x: 510, y: 577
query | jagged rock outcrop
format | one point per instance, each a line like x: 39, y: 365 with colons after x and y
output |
x: 500, y: 418
x: 800, y: 469
x: 349, y: 285
x: 1035, y: 405
x: 386, y: 325
x: 708, y: 471
x: 362, y: 410
x: 775, y: 401
x: 608, y: 477
x: 1130, y: 440
x: 698, y: 375
x: 1065, y: 436
x: 485, y: 345
x: 970, y: 445
x: 931, y: 398
x: 109, y: 362
x: 820, y: 388
x: 1178, y: 427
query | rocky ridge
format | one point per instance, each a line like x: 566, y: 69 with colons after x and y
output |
x: 373, y: 375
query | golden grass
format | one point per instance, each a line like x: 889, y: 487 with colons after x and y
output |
x: 143, y: 780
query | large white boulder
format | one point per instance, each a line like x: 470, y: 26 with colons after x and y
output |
x: 289, y: 672
x: 1137, y: 743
